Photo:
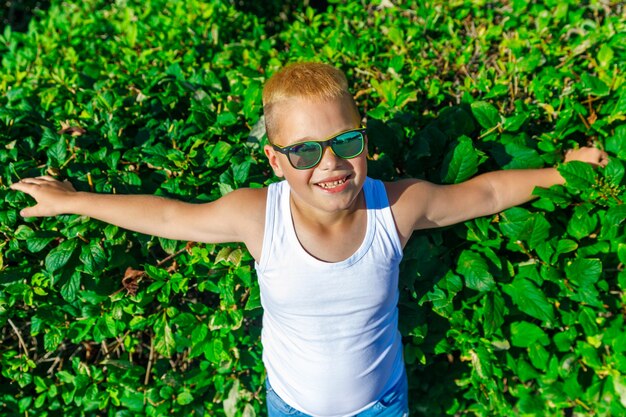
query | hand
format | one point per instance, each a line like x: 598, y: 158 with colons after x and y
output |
x: 594, y: 156
x: 49, y: 194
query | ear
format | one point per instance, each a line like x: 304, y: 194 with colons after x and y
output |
x: 272, y: 157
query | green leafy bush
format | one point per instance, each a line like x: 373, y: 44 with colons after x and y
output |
x: 520, y: 313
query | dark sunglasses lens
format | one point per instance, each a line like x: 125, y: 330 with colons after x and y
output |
x: 348, y: 145
x: 305, y: 155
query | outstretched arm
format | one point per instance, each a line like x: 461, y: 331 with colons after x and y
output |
x: 419, y: 204
x: 224, y: 220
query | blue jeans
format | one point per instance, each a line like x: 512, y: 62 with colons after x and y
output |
x: 395, y: 403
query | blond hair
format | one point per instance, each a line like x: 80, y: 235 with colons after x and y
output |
x: 308, y: 80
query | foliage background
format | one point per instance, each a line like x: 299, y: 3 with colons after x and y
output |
x: 517, y: 314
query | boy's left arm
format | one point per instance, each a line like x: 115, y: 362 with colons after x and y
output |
x: 418, y: 204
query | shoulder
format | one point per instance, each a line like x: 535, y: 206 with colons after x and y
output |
x: 240, y: 209
x: 250, y: 200
x: 399, y: 192
x: 409, y: 200
x: 252, y: 194
x: 246, y: 206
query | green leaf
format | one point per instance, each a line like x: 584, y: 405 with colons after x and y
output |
x: 526, y: 334
x: 539, y: 356
x: 616, y: 143
x: 620, y: 107
x: 461, y: 163
x: 605, y: 55
x: 134, y: 401
x: 531, y: 61
x: 23, y: 232
x: 594, y: 85
x: 587, y: 295
x: 71, y: 287
x: 566, y: 246
x: 165, y: 343
x: 493, y: 312
x: 105, y: 327
x: 52, y: 339
x: 168, y: 245
x: 565, y: 339
x: 583, y: 272
x: 525, y: 371
x: 199, y: 334
x: 254, y: 300
x: 520, y: 224
x: 578, y: 175
x: 589, y: 355
x: 486, y: 114
x: 39, y: 241
x: 198, y: 340
x: 219, y: 152
x: 522, y: 157
x: 441, y: 302
x: 583, y: 222
x: 473, y: 267
x: 226, y: 119
x: 621, y: 252
x: 176, y: 71
x: 223, y: 254
x: 59, y: 256
x: 587, y: 319
x: 214, y: 351
x: 515, y: 122
x: 530, y: 299
x: 614, y: 172
x: 240, y: 172
x: 93, y: 257
x: 616, y: 215
x: 481, y: 362
x: 184, y: 398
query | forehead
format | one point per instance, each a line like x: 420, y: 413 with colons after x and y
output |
x: 298, y: 119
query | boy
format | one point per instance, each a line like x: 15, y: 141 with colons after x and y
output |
x: 327, y: 243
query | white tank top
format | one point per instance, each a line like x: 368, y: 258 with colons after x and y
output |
x: 331, y: 344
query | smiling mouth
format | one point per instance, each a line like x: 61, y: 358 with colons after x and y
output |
x: 332, y: 184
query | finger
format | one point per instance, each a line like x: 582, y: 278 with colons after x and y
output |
x: 38, y: 181
x: 604, y: 160
x: 30, y: 181
x: 29, y: 212
x: 20, y: 186
x: 47, y: 178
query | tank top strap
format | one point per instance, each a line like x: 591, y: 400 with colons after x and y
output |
x: 277, y: 193
x: 378, y: 202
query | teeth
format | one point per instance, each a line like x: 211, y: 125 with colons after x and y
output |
x: 332, y: 184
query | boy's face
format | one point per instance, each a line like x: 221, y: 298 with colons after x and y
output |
x: 334, y: 183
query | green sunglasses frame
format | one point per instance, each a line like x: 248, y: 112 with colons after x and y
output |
x: 286, y: 150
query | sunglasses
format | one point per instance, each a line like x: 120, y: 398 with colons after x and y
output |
x: 305, y: 155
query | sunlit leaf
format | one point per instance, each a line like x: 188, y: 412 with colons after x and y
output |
x: 530, y: 299
x: 474, y: 268
x: 59, y: 256
x: 461, y: 163
x: 486, y: 114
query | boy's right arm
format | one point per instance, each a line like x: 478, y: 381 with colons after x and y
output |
x: 236, y: 217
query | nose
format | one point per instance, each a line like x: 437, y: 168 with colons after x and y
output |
x: 329, y: 160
